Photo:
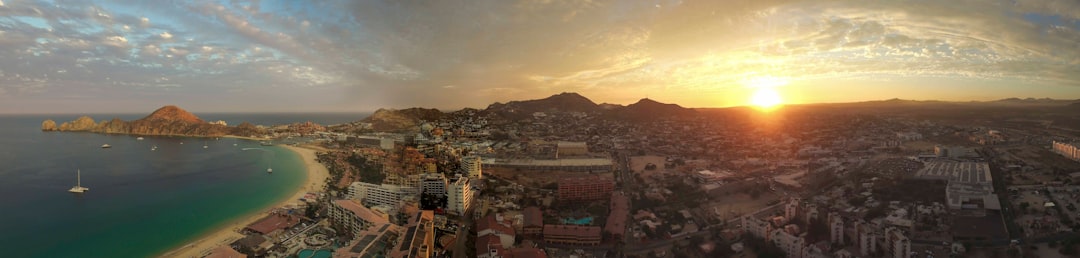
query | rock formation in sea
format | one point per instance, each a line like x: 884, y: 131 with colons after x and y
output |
x: 168, y: 120
x: 48, y: 125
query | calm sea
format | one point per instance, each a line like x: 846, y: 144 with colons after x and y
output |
x: 141, y: 201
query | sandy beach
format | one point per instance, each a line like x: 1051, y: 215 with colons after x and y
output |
x: 316, y: 179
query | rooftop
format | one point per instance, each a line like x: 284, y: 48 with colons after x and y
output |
x: 273, y: 222
x: 533, y: 216
x: 572, y: 230
x: 361, y: 211
x: 225, y: 251
x: 549, y: 162
x: 963, y: 172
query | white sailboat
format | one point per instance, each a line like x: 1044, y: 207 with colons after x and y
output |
x: 204, y: 145
x: 78, y: 184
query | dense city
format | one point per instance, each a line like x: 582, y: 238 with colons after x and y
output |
x: 564, y: 177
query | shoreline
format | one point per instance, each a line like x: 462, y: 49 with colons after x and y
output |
x: 315, y: 181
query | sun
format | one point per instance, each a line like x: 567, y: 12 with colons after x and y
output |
x: 766, y: 98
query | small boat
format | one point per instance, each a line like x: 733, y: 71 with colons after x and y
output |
x: 204, y: 145
x: 267, y: 143
x: 78, y: 184
x: 269, y: 170
x: 153, y: 148
x: 106, y: 146
x: 181, y: 142
x: 233, y: 144
x: 139, y: 138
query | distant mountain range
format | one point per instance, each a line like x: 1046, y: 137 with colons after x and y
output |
x: 645, y: 109
x: 167, y: 120
x: 567, y: 102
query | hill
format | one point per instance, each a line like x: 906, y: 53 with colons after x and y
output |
x: 651, y: 109
x: 563, y: 102
x: 396, y: 120
x: 167, y: 120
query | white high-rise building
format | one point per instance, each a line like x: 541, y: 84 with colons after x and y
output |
x: 379, y: 195
x: 791, y: 244
x: 433, y: 184
x: 897, y: 244
x: 460, y: 195
x: 867, y: 243
x: 836, y: 228
x: 791, y: 209
x: 472, y: 166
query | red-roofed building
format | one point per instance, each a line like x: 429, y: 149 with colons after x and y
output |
x: 489, y: 246
x: 273, y: 222
x: 534, y: 222
x: 494, y: 225
x: 572, y: 235
x: 616, y: 220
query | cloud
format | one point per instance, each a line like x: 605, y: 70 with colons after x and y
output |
x: 394, y: 53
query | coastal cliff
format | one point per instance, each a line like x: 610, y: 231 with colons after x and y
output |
x: 168, y: 120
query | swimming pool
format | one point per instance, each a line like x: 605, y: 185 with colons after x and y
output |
x: 308, y: 253
x: 581, y: 221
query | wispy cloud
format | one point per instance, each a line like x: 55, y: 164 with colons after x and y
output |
x: 364, y: 54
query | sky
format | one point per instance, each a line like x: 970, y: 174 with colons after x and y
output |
x: 357, y: 56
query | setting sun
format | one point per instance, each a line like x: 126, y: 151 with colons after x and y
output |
x: 764, y: 94
x: 766, y: 98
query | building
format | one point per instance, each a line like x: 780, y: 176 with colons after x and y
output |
x: 354, y: 217
x: 757, y: 227
x: 896, y: 244
x: 380, y: 195
x: 791, y: 244
x: 225, y: 251
x: 460, y: 196
x: 495, y: 225
x: 970, y: 185
x: 569, y: 149
x: 1068, y: 150
x: 472, y: 166
x: 375, y: 142
x: 586, y: 188
x: 791, y: 209
x: 375, y: 242
x: 434, y: 184
x: 909, y: 136
x: 533, y: 224
x: 419, y: 240
x: 866, y: 237
x: 274, y: 222
x: 954, y: 152
x: 836, y: 228
x: 572, y: 234
x: 615, y: 228
x: 965, y: 172
x: 574, y: 165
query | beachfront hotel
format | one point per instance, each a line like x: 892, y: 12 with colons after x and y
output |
x: 354, y: 217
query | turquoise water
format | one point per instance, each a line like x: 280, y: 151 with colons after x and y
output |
x: 308, y: 253
x: 140, y: 202
x: 581, y: 221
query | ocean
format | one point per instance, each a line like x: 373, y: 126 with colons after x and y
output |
x: 141, y: 202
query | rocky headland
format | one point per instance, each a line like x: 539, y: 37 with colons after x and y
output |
x: 168, y: 120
